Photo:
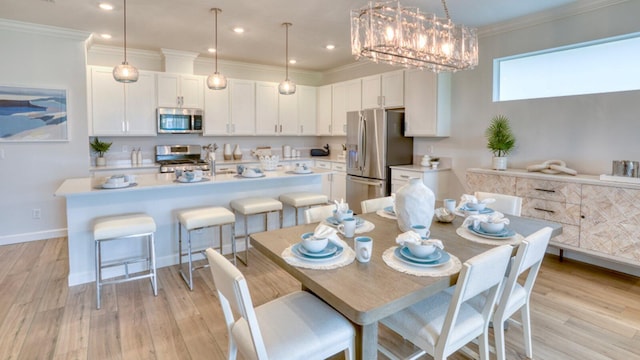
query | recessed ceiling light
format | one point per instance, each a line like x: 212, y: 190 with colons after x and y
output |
x: 238, y: 30
x: 330, y: 47
x: 106, y: 6
x: 211, y: 50
x: 292, y: 61
x: 105, y: 36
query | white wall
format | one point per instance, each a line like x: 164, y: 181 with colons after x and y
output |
x: 587, y: 131
x: 30, y: 172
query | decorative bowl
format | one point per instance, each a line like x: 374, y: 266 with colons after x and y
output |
x: 313, y: 244
x: 491, y: 227
x: 269, y: 162
x: 444, y: 215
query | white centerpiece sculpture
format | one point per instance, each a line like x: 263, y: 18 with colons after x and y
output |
x: 415, y: 204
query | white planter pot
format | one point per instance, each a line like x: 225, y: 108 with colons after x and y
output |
x: 500, y: 163
x: 101, y: 161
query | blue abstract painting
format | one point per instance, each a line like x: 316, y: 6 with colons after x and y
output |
x: 32, y: 114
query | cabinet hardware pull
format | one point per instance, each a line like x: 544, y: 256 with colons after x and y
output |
x: 405, y: 176
x: 275, y: 128
x: 545, y: 190
x: 280, y: 128
x: 545, y: 210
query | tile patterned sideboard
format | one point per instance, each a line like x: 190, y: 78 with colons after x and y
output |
x: 599, y: 218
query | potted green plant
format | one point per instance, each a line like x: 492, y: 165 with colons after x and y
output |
x: 100, y: 147
x: 500, y: 140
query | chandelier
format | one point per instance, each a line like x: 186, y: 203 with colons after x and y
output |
x: 389, y: 33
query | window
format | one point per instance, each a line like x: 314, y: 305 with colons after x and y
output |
x: 601, y: 66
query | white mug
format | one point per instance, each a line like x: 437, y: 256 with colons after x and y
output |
x: 421, y: 230
x: 348, y: 227
x: 364, y: 247
x: 450, y: 205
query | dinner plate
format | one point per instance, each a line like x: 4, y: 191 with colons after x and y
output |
x: 182, y: 179
x: 443, y: 259
x: 483, y: 211
x: 327, y: 251
x: 434, y: 256
x: 308, y: 171
x: 335, y: 222
x: 506, y: 233
x: 295, y: 250
x: 389, y: 210
x: 299, y: 173
x: 116, y: 186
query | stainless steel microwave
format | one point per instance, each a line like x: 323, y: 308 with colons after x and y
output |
x: 179, y: 121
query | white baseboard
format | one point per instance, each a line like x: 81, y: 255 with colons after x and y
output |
x: 33, y: 236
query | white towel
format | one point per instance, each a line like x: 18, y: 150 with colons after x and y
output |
x: 413, y: 238
x: 495, y: 217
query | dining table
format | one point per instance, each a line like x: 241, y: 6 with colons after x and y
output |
x: 368, y: 292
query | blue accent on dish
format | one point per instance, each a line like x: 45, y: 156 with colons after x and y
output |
x: 483, y: 211
x: 335, y: 222
x: 443, y: 259
x: 328, y: 251
x: 389, y: 210
x: 504, y: 234
x: 434, y: 256
x: 295, y: 250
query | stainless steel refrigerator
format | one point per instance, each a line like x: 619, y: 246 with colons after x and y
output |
x: 375, y: 140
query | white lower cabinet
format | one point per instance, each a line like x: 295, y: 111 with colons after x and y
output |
x: 334, y: 185
x: 437, y: 181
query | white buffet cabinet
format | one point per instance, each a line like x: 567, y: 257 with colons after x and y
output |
x: 160, y: 196
x: 435, y: 179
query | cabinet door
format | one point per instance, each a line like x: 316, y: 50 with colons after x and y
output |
x: 192, y: 91
x: 107, y: 103
x: 323, y: 110
x: 339, y: 186
x: 354, y: 95
x: 243, y: 110
x: 216, y: 112
x: 339, y: 109
x: 306, y: 110
x: 266, y: 108
x: 168, y: 90
x: 427, y: 103
x: 392, y: 85
x: 141, y: 106
x: 371, y: 92
x: 288, y: 113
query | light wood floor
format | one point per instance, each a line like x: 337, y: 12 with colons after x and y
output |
x: 578, y: 311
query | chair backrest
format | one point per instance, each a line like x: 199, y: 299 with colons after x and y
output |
x: 318, y: 213
x: 376, y: 204
x: 529, y: 257
x: 483, y: 272
x: 506, y: 204
x: 233, y: 294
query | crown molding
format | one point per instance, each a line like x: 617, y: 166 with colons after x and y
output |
x: 252, y: 66
x: 558, y: 13
x: 189, y: 55
x: 37, y: 29
x: 113, y: 50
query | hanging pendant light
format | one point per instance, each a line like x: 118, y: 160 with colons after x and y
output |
x: 287, y: 87
x: 216, y: 81
x: 124, y: 72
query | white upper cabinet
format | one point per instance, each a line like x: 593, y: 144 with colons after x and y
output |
x: 278, y: 114
x: 243, y: 107
x: 266, y: 108
x: 118, y: 109
x: 217, y: 115
x: 323, y: 110
x: 307, y: 109
x: 177, y: 90
x: 288, y: 113
x: 427, y: 103
x: 346, y: 96
x: 384, y: 90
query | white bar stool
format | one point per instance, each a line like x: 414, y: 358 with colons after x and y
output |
x: 122, y: 227
x: 303, y: 199
x: 255, y: 206
x: 196, y: 219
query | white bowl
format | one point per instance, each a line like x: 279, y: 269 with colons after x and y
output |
x: 343, y: 215
x: 477, y: 207
x: 420, y: 250
x: 312, y: 244
x: 491, y: 227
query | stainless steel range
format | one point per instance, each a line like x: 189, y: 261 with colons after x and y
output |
x: 180, y: 157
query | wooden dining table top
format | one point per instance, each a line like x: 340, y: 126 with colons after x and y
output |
x: 368, y: 292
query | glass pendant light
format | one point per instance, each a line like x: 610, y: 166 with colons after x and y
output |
x: 124, y: 72
x: 216, y: 81
x: 287, y: 87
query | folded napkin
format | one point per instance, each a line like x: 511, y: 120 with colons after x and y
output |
x: 341, y: 207
x: 495, y: 217
x: 323, y: 231
x: 466, y: 198
x: 411, y: 237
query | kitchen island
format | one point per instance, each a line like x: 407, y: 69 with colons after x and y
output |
x: 161, y: 196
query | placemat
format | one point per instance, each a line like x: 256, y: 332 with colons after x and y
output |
x: 451, y: 267
x: 465, y: 233
x: 346, y: 258
x: 385, y: 214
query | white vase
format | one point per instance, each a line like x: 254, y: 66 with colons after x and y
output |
x: 101, y: 161
x: 227, y: 152
x: 237, y: 154
x: 500, y: 163
x: 415, y: 204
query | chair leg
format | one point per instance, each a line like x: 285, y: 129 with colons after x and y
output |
x: 526, y: 330
x: 233, y: 242
x: 98, y: 274
x: 154, y: 278
x: 190, y: 258
x: 483, y: 345
x: 498, y: 333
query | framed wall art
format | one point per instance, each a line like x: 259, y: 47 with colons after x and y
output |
x: 33, y: 114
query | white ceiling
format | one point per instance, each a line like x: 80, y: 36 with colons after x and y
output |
x: 188, y: 24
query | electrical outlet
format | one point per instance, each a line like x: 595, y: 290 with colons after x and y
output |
x: 430, y: 149
x: 36, y: 214
x: 125, y: 148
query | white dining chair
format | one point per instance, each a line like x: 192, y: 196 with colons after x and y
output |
x: 445, y: 322
x: 295, y: 326
x: 372, y: 205
x: 515, y: 296
x: 318, y: 213
x: 506, y: 204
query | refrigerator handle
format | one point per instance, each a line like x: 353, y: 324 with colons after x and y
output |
x: 364, y: 182
x: 359, y: 152
x: 364, y: 143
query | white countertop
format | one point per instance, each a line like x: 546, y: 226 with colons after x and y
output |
x: 420, y: 168
x: 92, y: 185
